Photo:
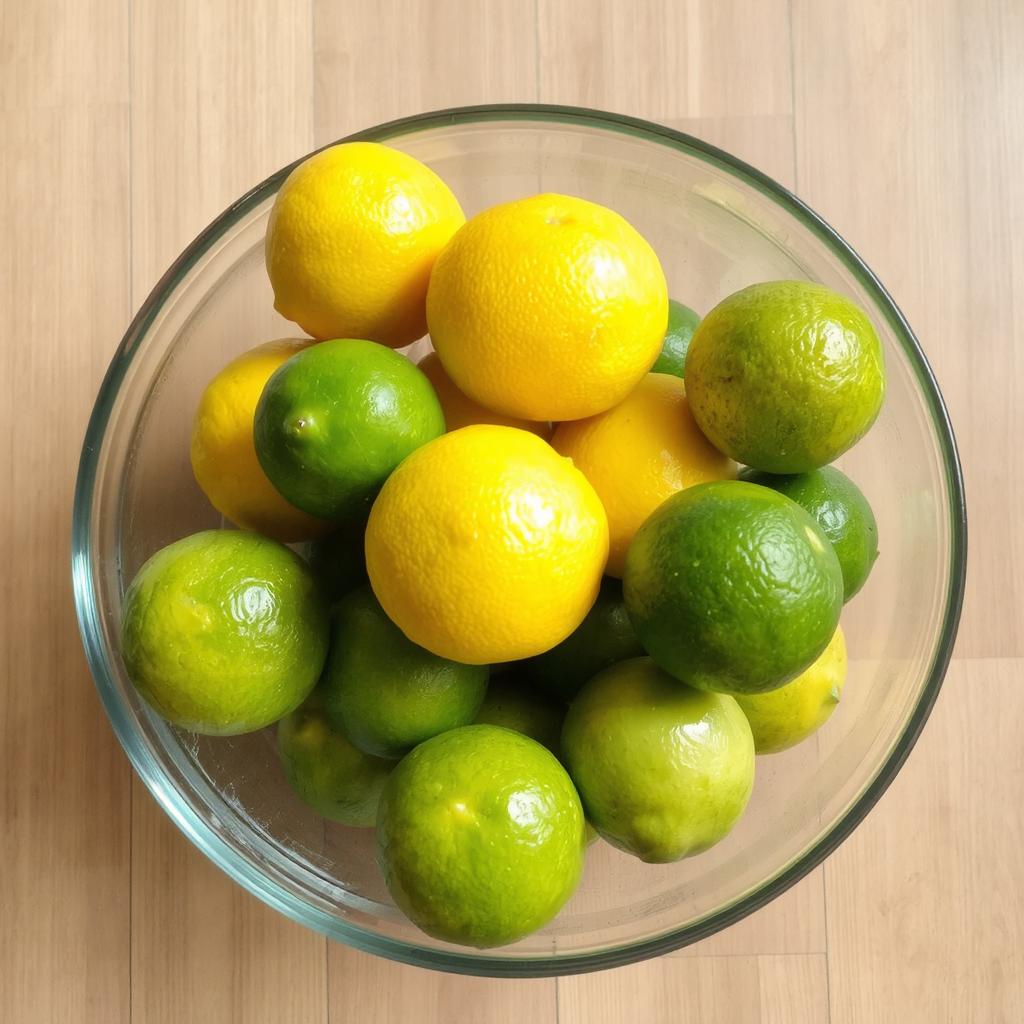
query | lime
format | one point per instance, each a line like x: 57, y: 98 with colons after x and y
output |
x: 338, y: 561
x: 732, y: 587
x: 224, y: 632
x: 331, y: 775
x: 384, y: 691
x: 664, y: 771
x: 480, y: 836
x: 335, y: 420
x: 682, y: 322
x: 604, y: 637
x: 842, y: 512
x: 785, y: 376
x: 511, y: 703
x: 782, y: 718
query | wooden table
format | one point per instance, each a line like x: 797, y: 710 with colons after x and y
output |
x: 128, y: 125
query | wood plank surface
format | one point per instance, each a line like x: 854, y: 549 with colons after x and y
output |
x: 129, y: 124
x: 64, y: 783
x: 221, y: 97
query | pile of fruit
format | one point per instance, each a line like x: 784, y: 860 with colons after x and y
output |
x: 563, y: 578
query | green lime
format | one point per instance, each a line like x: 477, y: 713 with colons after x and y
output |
x: 682, y: 322
x: 338, y: 561
x: 331, y: 775
x: 384, y: 691
x: 782, y: 718
x: 513, y: 704
x: 480, y: 836
x: 224, y: 632
x: 604, y: 637
x: 785, y: 376
x: 335, y: 420
x: 732, y: 587
x: 664, y: 771
x: 842, y: 512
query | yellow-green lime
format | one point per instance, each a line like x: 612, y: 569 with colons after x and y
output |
x: 512, y: 703
x: 335, y: 420
x: 784, y: 717
x: 480, y: 836
x: 732, y: 587
x: 384, y: 691
x: 328, y: 772
x: 842, y: 512
x: 785, y: 376
x: 604, y: 637
x: 664, y: 771
x: 682, y: 322
x: 224, y: 632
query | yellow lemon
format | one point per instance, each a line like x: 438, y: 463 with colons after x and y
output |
x: 352, y: 237
x: 639, y: 453
x: 461, y: 411
x: 547, y: 308
x: 781, y: 718
x: 485, y: 545
x: 224, y: 456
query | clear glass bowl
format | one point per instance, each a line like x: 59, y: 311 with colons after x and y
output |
x: 717, y: 225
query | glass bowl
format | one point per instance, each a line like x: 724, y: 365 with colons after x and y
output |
x: 717, y: 225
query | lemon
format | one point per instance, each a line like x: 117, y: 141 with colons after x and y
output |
x: 547, y: 308
x: 785, y: 376
x: 480, y: 836
x: 782, y: 718
x: 224, y: 632
x: 485, y: 545
x: 638, y: 453
x: 461, y: 411
x: 664, y: 771
x: 351, y: 241
x: 223, y: 455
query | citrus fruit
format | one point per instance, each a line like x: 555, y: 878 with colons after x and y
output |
x: 604, y: 637
x: 782, y: 718
x: 462, y: 411
x: 223, y: 456
x: 480, y: 836
x: 510, y: 702
x: 664, y: 771
x: 682, y: 322
x: 352, y: 237
x: 547, y: 308
x: 224, y: 632
x: 384, y: 691
x: 336, y: 419
x: 638, y: 453
x: 842, y: 512
x: 732, y: 587
x: 328, y: 772
x: 785, y: 376
x: 337, y: 560
x: 486, y: 545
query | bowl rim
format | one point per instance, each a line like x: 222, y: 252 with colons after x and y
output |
x: 248, y: 874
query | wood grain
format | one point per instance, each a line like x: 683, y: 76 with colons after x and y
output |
x: 222, y: 96
x: 129, y: 124
x: 926, y: 909
x: 910, y: 131
x: 64, y: 784
x: 701, y: 990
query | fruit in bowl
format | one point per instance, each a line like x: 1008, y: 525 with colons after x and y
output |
x: 478, y: 504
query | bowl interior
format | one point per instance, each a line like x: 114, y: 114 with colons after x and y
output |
x: 717, y: 227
